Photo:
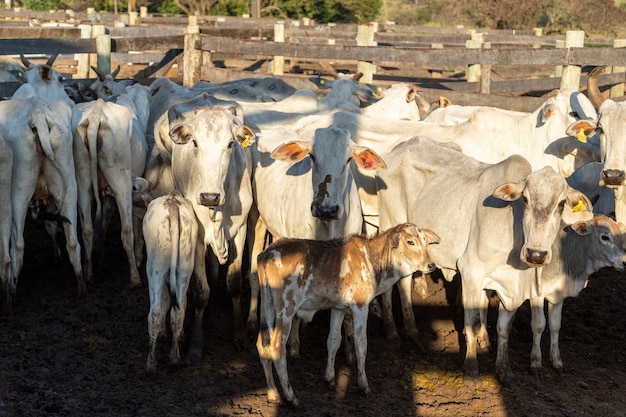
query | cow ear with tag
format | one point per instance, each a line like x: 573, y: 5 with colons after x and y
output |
x: 294, y: 151
x: 582, y: 228
x: 245, y: 136
x: 367, y: 159
x: 577, y: 208
x: 582, y: 130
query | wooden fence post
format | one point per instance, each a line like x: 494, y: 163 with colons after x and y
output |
x: 82, y: 67
x: 558, y: 69
x: 103, y: 51
x: 485, y: 74
x: 278, y: 63
x: 618, y: 89
x: 571, y: 73
x: 474, y: 70
x: 192, y: 57
x: 96, y: 30
x: 365, y: 37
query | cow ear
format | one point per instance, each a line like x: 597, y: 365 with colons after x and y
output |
x: 180, y: 134
x: 294, y: 151
x: 367, y: 159
x: 582, y: 228
x: 577, y: 208
x: 546, y: 112
x: 430, y: 236
x: 321, y: 83
x: 367, y: 95
x: 19, y: 75
x: 582, y: 130
x: 510, y: 191
x: 245, y: 136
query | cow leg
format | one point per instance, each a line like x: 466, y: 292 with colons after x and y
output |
x: 332, y: 343
x: 234, y: 280
x: 121, y: 186
x: 157, y: 272
x: 474, y: 299
x: 405, y: 287
x: 294, y: 338
x: 85, y: 196
x: 179, y: 307
x: 266, y: 356
x: 201, y: 292
x: 359, y: 317
x: 6, y: 218
x: 554, y: 315
x: 280, y: 336
x: 389, y: 324
x: 138, y: 243
x: 538, y: 325
x: 256, y: 244
x: 503, y: 363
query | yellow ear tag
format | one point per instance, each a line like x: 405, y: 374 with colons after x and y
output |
x: 581, y: 136
x: 322, y: 81
x: 246, y: 142
x: 579, y: 207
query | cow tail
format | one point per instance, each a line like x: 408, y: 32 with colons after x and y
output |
x: 93, y: 126
x: 267, y: 307
x: 174, y: 220
x: 40, y: 124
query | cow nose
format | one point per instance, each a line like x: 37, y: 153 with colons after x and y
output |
x: 536, y: 257
x: 613, y: 176
x: 325, y: 213
x: 209, y: 199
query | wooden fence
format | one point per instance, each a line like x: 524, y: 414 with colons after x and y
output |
x: 198, y: 47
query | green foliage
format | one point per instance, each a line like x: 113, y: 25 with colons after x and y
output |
x: 231, y: 8
x: 165, y: 6
x: 324, y: 11
x: 43, y: 5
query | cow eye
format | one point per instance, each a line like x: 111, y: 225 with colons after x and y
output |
x: 605, y: 238
x: 312, y: 157
x: 525, y: 201
x: 410, y: 242
x: 561, y: 205
x: 349, y: 160
x: 107, y: 91
x: 574, y: 114
x: 195, y: 144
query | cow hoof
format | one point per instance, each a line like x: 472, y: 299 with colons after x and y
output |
x: 472, y: 381
x: 536, y: 373
x: 135, y: 284
x: 509, y: 383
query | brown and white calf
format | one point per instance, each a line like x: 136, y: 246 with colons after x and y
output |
x: 299, y: 277
x: 171, y: 235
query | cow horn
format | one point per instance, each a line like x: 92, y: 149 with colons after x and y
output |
x: 330, y: 73
x: 51, y: 59
x: 25, y: 61
x: 595, y: 96
x: 99, y: 72
x: 117, y: 71
x: 356, y: 77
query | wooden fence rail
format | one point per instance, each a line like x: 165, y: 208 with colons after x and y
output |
x: 392, y: 46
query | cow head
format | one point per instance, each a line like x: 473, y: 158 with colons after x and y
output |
x: 547, y: 203
x: 607, y: 241
x: 46, y: 81
x: 330, y: 153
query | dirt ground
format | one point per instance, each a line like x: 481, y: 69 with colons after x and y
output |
x: 64, y: 356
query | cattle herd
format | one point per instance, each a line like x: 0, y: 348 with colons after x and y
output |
x: 319, y: 202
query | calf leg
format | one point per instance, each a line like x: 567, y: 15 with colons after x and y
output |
x: 538, y: 325
x: 474, y: 299
x: 503, y: 363
x: 157, y: 271
x: 332, y: 343
x: 201, y: 293
x: 359, y: 317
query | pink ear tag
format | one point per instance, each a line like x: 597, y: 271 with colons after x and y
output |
x: 369, y: 162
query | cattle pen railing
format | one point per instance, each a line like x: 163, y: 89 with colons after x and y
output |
x: 198, y: 50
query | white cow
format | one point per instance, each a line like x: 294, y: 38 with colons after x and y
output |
x: 6, y: 218
x: 300, y: 277
x: 539, y: 137
x: 263, y: 89
x: 39, y: 133
x: 106, y: 85
x: 46, y: 81
x: 399, y: 101
x: 611, y: 126
x: 103, y: 154
x: 304, y: 188
x: 171, y: 234
x: 495, y: 222
x: 212, y: 168
x: 577, y: 252
x: 443, y: 112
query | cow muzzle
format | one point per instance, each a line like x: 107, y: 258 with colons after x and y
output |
x: 325, y: 212
x: 535, y: 258
x: 612, y: 177
x: 209, y: 199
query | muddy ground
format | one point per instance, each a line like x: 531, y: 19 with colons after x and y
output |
x: 64, y: 356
